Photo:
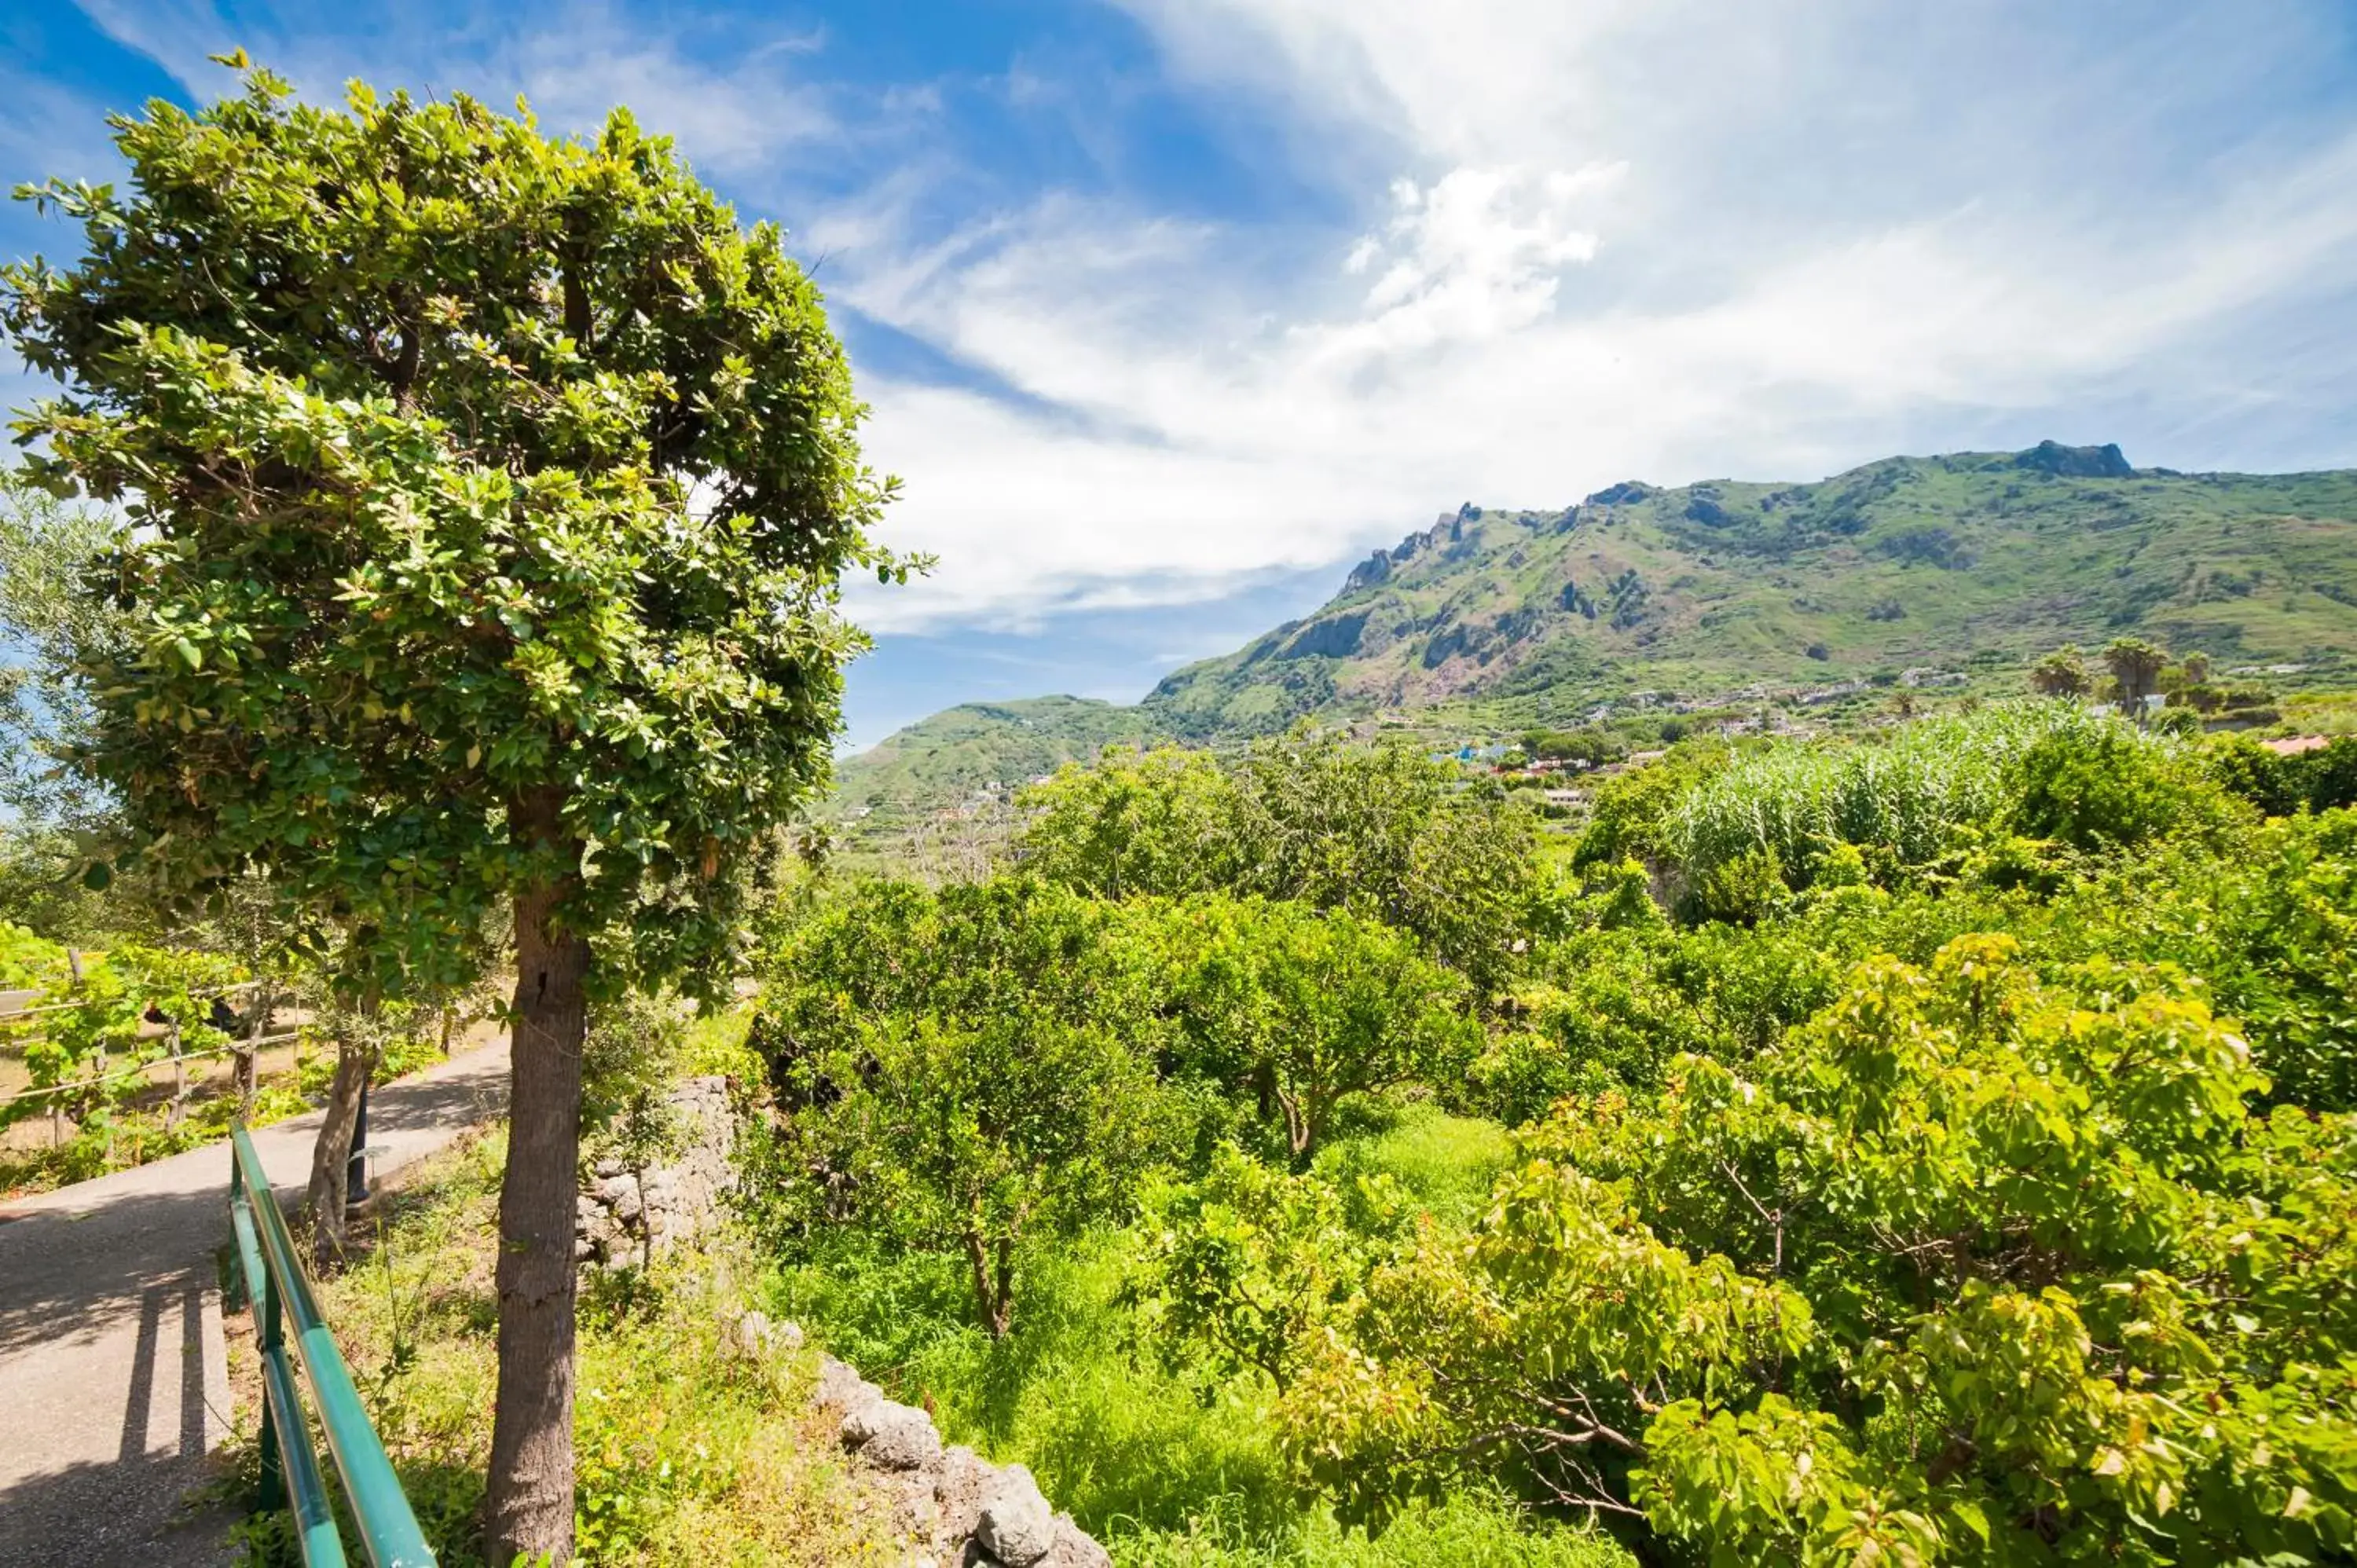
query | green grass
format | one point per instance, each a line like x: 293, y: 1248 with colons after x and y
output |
x: 686, y: 1453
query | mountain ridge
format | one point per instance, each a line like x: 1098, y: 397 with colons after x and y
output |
x: 1513, y: 617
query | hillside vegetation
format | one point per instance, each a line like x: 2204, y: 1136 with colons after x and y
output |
x: 1499, y: 619
x: 1937, y: 1147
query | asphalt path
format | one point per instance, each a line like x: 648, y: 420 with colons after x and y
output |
x: 114, y: 1376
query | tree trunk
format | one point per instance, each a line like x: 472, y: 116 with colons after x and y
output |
x: 529, y: 1508
x: 993, y: 1298
x: 331, y: 1155
x: 1300, y: 1125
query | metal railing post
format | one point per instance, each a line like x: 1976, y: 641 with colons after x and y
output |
x: 278, y: 1292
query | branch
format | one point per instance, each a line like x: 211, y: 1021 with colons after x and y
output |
x: 1774, y: 1221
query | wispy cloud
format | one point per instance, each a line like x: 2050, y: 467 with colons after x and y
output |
x: 1663, y: 240
x: 1542, y: 246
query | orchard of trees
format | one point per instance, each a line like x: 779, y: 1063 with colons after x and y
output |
x: 1933, y: 1146
x: 1939, y: 1147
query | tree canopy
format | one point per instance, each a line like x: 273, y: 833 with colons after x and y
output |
x: 488, y: 494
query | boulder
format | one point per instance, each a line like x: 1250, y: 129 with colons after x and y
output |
x: 893, y: 1436
x: 1016, y: 1526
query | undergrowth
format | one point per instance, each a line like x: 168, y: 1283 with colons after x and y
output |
x: 687, y: 1453
x: 1165, y: 1466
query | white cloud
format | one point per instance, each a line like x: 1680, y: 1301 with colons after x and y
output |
x: 1665, y: 240
x: 1584, y: 242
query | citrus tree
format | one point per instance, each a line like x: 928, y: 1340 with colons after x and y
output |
x: 966, y: 1070
x: 487, y: 496
x: 1972, y: 1268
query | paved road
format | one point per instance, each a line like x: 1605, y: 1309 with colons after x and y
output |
x: 113, y: 1381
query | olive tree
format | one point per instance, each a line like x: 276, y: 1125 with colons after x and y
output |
x: 488, y: 494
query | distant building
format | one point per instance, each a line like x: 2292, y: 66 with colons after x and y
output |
x: 2295, y: 745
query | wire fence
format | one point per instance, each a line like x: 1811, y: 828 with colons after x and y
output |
x: 242, y: 1048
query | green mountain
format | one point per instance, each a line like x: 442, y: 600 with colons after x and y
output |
x: 982, y: 748
x: 1497, y: 618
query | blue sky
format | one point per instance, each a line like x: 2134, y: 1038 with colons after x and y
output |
x: 1168, y: 309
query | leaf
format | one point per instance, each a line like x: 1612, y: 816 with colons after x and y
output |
x: 98, y: 877
x: 189, y: 651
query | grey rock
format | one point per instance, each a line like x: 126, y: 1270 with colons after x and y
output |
x: 751, y: 1337
x: 843, y: 1387
x: 1075, y: 1548
x: 1016, y: 1526
x: 893, y: 1436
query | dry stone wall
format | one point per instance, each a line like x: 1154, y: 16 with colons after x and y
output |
x: 959, y: 1510
x: 626, y: 1217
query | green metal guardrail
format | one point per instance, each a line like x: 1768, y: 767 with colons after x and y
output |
x: 277, y: 1290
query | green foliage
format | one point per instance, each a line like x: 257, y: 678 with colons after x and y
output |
x: 49, y: 627
x: 2320, y: 781
x: 1631, y: 814
x: 410, y: 556
x: 1161, y: 822
x: 89, y: 1050
x: 2268, y: 921
x: 1900, y: 801
x: 1308, y: 1009
x: 951, y: 1079
x: 28, y: 963
x: 2135, y: 666
x: 690, y: 1452
x: 2108, y: 787
x: 1379, y: 832
x: 1970, y: 1269
x: 2062, y: 673
x: 1246, y: 1265
x: 630, y: 1059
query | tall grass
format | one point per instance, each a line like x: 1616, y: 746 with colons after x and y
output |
x: 1905, y: 795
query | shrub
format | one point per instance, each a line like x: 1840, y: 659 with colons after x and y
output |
x: 2106, y: 787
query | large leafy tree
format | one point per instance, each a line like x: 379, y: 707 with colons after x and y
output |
x: 487, y: 496
x: 1380, y: 832
x: 968, y: 1069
